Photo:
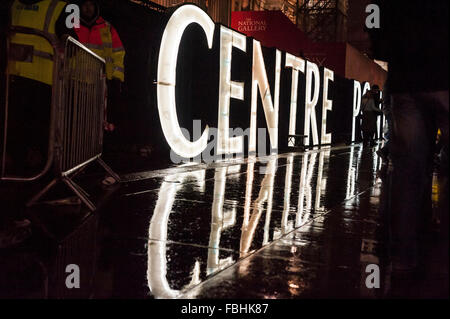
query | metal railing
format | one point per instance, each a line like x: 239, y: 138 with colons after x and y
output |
x: 54, y: 101
x: 77, y: 115
x: 82, y: 112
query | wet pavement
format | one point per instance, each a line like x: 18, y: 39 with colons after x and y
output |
x: 296, y: 225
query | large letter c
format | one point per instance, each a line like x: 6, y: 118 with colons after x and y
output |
x: 167, y: 63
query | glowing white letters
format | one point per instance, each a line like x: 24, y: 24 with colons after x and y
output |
x: 259, y: 80
x: 167, y: 63
x: 327, y: 105
x: 366, y: 88
x: 297, y: 64
x: 356, y: 105
x: 228, y: 89
x: 310, y: 102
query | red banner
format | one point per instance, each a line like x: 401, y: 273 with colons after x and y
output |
x: 274, y: 29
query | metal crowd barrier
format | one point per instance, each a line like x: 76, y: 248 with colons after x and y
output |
x: 77, y: 115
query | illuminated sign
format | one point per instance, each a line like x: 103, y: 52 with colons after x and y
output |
x: 228, y: 89
x: 259, y: 80
x: 167, y: 63
x: 297, y: 64
x: 266, y: 85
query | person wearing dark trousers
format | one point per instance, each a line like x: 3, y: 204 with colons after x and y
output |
x: 413, y: 39
x: 29, y: 63
x: 30, y: 67
x: 370, y: 113
x: 387, y: 111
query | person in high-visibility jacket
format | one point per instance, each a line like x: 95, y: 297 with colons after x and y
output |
x: 31, y: 56
x: 101, y: 37
x: 30, y: 68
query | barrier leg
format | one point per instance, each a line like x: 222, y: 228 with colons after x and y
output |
x: 108, y: 170
x: 79, y: 192
x: 71, y: 184
x: 36, y: 197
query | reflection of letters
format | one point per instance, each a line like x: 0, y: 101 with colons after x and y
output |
x: 265, y: 195
x: 305, y: 187
x: 220, y: 220
x: 223, y: 214
x: 321, y: 183
x: 352, y: 169
x: 287, y: 194
x: 156, y: 254
x: 305, y: 194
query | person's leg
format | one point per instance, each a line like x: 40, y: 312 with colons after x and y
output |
x: 115, y: 140
x: 384, y: 151
x: 410, y: 149
x: 28, y: 125
x: 16, y: 139
x: 38, y: 124
x: 441, y: 102
x: 372, y: 138
x: 389, y: 131
x: 365, y: 137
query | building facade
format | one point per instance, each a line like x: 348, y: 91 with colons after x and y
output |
x: 219, y: 10
x: 321, y: 20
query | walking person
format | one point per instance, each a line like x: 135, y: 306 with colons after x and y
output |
x: 387, y: 111
x: 413, y: 39
x: 369, y: 116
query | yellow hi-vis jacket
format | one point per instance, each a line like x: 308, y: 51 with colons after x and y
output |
x: 35, y: 58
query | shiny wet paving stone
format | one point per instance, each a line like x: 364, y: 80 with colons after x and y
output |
x: 299, y: 225
x: 181, y: 229
x: 319, y: 260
